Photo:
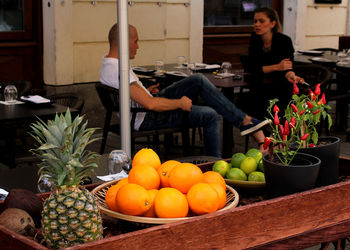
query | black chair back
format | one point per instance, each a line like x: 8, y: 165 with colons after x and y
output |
x: 71, y: 100
x: 313, y: 74
x: 109, y: 96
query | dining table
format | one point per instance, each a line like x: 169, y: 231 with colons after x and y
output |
x: 15, y: 117
x: 229, y: 85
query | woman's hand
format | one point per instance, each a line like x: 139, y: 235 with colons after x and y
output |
x: 285, y: 64
x: 291, y: 77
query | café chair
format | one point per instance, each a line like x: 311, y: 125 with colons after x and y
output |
x: 69, y: 99
x: 109, y: 98
x: 313, y: 74
x: 344, y: 43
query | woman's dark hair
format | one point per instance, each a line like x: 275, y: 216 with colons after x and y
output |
x: 273, y: 16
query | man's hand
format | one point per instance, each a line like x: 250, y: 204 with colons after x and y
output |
x: 285, y: 64
x: 153, y: 89
x: 186, y: 103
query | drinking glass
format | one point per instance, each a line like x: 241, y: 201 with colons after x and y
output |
x: 10, y: 93
x: 226, y: 68
x: 180, y: 61
x: 44, y: 184
x: 159, y: 66
x: 118, y: 160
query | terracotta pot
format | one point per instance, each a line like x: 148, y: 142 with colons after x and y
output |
x: 301, y: 175
x: 328, y: 152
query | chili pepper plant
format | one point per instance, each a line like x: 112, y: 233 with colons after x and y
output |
x: 299, y: 125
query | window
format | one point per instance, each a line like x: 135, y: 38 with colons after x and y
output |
x: 15, y: 19
x: 231, y: 12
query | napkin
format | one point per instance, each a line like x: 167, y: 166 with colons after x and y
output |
x: 35, y: 99
x: 112, y: 177
x: 3, y: 194
x: 11, y: 103
x: 177, y: 73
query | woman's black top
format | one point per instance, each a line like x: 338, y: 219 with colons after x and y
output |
x: 281, y: 48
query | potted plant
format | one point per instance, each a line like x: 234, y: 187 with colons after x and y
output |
x: 310, y: 110
x: 287, y: 170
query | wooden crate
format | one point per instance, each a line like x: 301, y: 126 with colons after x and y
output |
x: 299, y: 220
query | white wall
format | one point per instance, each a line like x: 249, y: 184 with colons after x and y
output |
x: 315, y: 25
x: 75, y: 35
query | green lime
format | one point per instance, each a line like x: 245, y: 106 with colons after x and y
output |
x: 221, y: 167
x: 236, y: 174
x: 237, y: 159
x: 249, y: 165
x: 261, y: 165
x: 255, y: 153
x: 256, y: 176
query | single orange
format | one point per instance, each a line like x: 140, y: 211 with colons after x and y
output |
x: 202, y: 198
x: 221, y: 194
x: 214, y: 177
x: 164, y: 171
x: 144, y: 175
x: 151, y: 211
x: 111, y: 194
x: 170, y: 203
x: 184, y: 176
x: 146, y: 156
x: 132, y: 199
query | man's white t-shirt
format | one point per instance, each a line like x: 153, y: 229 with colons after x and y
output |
x: 109, y: 75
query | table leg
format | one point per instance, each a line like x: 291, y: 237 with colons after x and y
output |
x: 227, y: 129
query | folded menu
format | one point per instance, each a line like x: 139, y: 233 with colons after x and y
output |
x: 35, y: 99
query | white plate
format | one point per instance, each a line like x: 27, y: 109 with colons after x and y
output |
x: 323, y: 59
x: 310, y: 52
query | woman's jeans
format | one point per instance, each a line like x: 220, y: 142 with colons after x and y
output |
x: 193, y: 87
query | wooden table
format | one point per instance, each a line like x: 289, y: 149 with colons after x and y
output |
x: 13, y: 117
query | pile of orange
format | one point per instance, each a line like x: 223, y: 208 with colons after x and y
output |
x: 168, y: 190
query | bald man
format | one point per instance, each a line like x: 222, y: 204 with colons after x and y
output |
x: 174, y: 103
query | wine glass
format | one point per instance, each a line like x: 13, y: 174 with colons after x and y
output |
x: 10, y: 93
x: 180, y: 61
x: 159, y: 66
x: 226, y: 68
x: 118, y: 161
x: 44, y: 184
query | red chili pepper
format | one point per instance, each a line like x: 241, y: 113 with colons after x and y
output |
x: 317, y: 89
x: 317, y: 111
x: 295, y: 89
x: 312, y: 95
x: 276, y: 109
x: 292, y: 122
x: 309, y: 104
x: 304, y: 137
x: 281, y: 130
x: 267, y: 143
x: 276, y: 120
x: 302, y: 112
x: 295, y: 109
x: 323, y: 99
x: 286, y: 128
x: 312, y: 145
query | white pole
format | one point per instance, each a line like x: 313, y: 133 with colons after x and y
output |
x: 124, y: 93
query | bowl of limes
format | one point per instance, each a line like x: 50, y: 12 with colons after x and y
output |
x: 244, y: 171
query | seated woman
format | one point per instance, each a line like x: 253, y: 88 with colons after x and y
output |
x: 270, y: 61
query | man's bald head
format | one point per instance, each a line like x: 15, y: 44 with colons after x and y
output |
x: 113, y: 35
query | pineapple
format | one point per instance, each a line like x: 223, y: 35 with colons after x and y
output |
x: 70, y: 215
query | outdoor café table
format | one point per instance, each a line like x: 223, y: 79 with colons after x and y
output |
x: 13, y: 117
x: 227, y: 85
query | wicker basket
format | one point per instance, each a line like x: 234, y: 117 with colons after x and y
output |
x: 100, y: 191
